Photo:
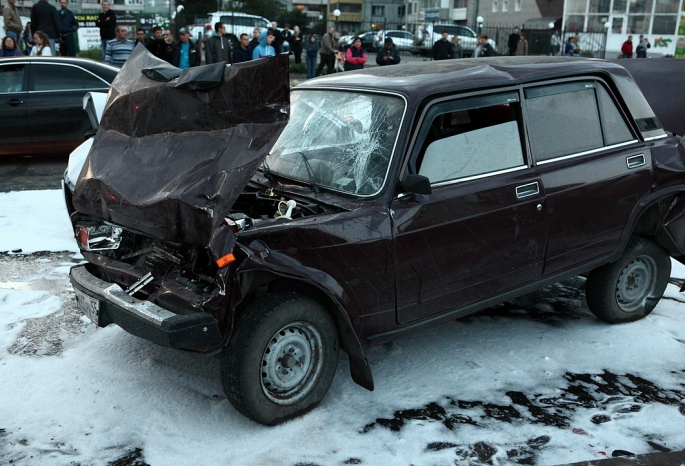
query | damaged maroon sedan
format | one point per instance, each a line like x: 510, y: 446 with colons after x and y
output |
x: 222, y: 213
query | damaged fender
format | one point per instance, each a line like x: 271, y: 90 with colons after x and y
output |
x: 260, y: 258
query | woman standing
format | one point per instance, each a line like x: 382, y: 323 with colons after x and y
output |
x: 297, y: 44
x: 355, y: 56
x: 312, y: 48
x: 28, y: 39
x: 9, y: 48
x: 522, y: 47
x: 457, y: 52
x: 42, y: 47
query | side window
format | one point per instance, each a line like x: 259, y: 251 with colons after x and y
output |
x: 470, y: 137
x: 59, y: 78
x: 616, y: 130
x: 11, y: 78
x: 563, y: 119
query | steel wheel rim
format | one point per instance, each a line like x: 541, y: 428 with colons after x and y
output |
x: 636, y: 283
x: 291, y: 363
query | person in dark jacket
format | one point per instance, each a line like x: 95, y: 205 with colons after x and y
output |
x: 187, y: 54
x: 68, y: 26
x: 278, y: 37
x: 27, y: 36
x: 155, y: 44
x: 296, y: 45
x: 169, y: 52
x: 355, y: 56
x: 107, y: 22
x: 442, y: 49
x: 486, y: 49
x: 457, y: 51
x: 254, y: 42
x: 388, y: 55
x: 219, y: 47
x: 44, y: 18
x: 312, y: 49
x: 513, y: 42
x: 241, y: 52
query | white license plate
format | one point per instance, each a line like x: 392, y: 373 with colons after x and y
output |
x: 89, y: 306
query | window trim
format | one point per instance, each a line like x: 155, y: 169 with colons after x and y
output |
x: 106, y: 85
x: 587, y: 152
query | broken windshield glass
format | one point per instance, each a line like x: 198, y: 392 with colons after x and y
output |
x: 347, y: 138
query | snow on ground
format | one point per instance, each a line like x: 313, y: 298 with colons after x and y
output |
x: 35, y: 221
x: 535, y: 381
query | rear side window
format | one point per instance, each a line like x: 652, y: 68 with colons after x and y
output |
x: 616, y: 130
x: 61, y: 77
x: 469, y: 138
x: 563, y: 120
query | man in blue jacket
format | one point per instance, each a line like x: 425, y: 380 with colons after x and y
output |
x: 241, y: 51
x: 264, y: 49
x: 68, y: 26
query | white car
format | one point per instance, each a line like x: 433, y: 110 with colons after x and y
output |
x: 403, y: 40
x: 427, y: 34
x: 94, y: 104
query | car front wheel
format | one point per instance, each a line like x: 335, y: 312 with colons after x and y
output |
x: 281, y: 359
x: 628, y: 289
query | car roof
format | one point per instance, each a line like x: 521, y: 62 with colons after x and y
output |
x: 420, y: 79
x: 106, y: 72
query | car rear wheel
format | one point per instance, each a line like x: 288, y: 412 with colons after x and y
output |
x: 281, y: 359
x: 628, y: 289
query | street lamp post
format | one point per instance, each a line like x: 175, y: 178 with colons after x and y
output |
x: 336, y: 13
x: 479, y: 21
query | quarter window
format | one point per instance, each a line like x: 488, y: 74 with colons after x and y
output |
x: 469, y: 138
x: 615, y: 129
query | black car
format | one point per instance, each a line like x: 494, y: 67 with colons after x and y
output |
x: 42, y: 102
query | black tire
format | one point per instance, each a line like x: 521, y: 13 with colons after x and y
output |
x: 281, y: 359
x: 628, y: 289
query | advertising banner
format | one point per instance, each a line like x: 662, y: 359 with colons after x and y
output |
x: 88, y: 33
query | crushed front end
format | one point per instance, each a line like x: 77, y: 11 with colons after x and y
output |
x: 152, y: 202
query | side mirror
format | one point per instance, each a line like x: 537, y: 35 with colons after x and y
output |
x: 417, y: 184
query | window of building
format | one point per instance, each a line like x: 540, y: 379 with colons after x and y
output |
x: 620, y: 6
x: 664, y: 24
x: 640, y: 6
x: 617, y: 25
x: 505, y: 6
x: 637, y: 24
x: 409, y: 8
x: 400, y: 11
x: 576, y: 6
x: 666, y: 6
x: 495, y: 6
x: 599, y: 6
x: 575, y: 23
x: 595, y: 23
x: 558, y: 114
x: 517, y: 5
x: 378, y: 10
x: 463, y: 136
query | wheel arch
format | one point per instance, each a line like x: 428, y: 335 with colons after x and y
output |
x: 254, y: 283
x: 647, y: 220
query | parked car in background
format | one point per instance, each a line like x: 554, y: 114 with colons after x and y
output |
x: 237, y: 23
x: 403, y: 40
x: 428, y: 33
x: 42, y: 102
x: 369, y: 40
x: 361, y: 206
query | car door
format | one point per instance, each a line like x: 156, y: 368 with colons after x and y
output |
x: 482, y: 231
x: 593, y: 167
x: 14, y: 128
x: 55, y: 104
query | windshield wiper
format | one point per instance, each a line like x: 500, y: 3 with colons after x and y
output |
x: 310, y: 172
x: 267, y: 171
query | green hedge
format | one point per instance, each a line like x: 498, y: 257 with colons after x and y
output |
x: 93, y: 53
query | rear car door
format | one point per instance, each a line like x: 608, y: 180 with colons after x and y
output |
x: 592, y: 165
x: 55, y: 110
x: 482, y: 231
x: 14, y: 127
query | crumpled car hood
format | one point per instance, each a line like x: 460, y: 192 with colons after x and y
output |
x: 171, y: 163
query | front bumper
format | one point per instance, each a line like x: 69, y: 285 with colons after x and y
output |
x: 145, y: 319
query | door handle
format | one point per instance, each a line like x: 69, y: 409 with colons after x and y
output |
x: 15, y: 102
x: 530, y: 189
x: 635, y: 161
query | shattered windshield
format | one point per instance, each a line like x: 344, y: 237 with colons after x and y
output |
x: 338, y: 140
